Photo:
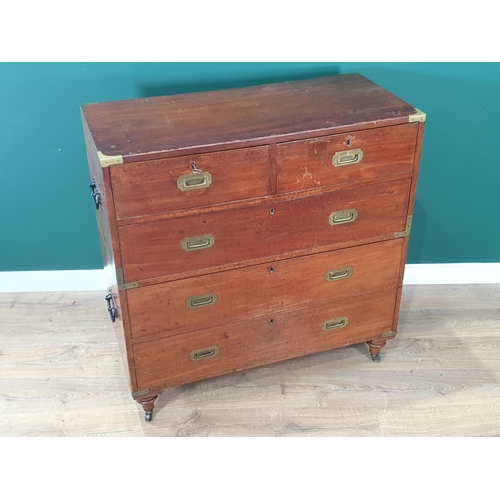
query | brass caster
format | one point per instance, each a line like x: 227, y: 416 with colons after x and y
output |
x: 376, y: 358
x: 149, y: 416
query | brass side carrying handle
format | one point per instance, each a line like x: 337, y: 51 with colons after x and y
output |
x: 336, y: 323
x: 343, y: 217
x: 204, y: 353
x: 201, y: 300
x: 194, y: 181
x: 339, y: 274
x: 350, y: 157
x: 198, y: 242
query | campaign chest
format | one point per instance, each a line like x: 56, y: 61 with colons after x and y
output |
x: 247, y: 226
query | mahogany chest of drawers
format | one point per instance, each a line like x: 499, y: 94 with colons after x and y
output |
x: 248, y: 226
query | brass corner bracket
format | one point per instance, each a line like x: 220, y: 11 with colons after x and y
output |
x: 106, y: 160
x: 389, y: 335
x: 406, y: 232
x: 419, y: 116
x: 137, y: 394
x: 120, y: 280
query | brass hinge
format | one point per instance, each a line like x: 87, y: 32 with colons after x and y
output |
x: 419, y: 116
x: 144, y: 392
x: 389, y: 335
x: 407, y: 230
x: 106, y: 160
x: 120, y: 280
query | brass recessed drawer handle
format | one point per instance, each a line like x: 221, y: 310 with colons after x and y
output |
x: 201, y: 300
x: 204, y: 353
x: 198, y: 242
x: 339, y: 274
x: 194, y: 181
x: 335, y: 324
x: 350, y: 157
x: 343, y: 217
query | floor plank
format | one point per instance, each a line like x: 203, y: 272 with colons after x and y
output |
x: 61, y: 375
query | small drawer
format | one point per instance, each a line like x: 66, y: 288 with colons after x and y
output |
x: 173, y: 308
x: 195, y: 243
x: 224, y: 349
x: 153, y: 187
x: 347, y: 158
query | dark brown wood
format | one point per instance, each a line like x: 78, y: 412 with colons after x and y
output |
x: 166, y: 362
x: 162, y: 310
x: 154, y: 249
x: 150, y: 187
x: 143, y: 128
x: 387, y: 152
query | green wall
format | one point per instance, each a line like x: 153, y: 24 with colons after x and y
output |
x: 47, y: 216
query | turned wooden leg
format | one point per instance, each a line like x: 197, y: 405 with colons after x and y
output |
x: 375, y: 347
x: 148, y: 404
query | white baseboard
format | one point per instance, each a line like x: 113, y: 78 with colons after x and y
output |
x: 452, y: 274
x: 52, y: 281
x: 94, y: 279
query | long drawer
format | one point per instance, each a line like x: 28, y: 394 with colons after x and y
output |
x: 202, y: 241
x: 215, y: 299
x: 225, y: 349
x: 367, y: 155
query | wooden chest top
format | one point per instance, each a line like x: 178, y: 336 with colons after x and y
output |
x: 161, y: 127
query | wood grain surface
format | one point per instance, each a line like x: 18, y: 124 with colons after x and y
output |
x: 61, y: 375
x: 162, y: 310
x: 170, y: 125
x: 154, y: 249
x: 387, y: 152
x: 258, y: 341
x: 150, y: 187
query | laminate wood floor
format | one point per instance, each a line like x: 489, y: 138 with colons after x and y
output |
x: 61, y: 375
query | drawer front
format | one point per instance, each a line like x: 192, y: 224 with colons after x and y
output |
x: 185, y: 244
x: 347, y: 158
x: 153, y: 187
x: 216, y: 299
x: 225, y: 349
